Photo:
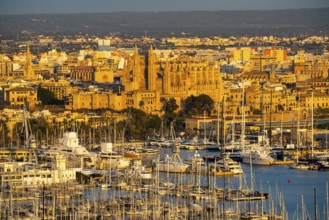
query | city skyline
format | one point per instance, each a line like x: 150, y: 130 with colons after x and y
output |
x: 85, y: 6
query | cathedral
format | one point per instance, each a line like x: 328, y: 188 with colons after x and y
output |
x: 176, y: 78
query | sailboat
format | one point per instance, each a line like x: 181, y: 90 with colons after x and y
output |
x: 301, y: 165
x: 258, y: 155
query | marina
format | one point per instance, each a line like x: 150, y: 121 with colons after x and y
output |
x: 120, y: 125
x: 141, y: 190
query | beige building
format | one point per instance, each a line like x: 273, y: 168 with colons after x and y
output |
x: 279, y: 54
x: 261, y: 62
x: 148, y: 101
x: 320, y: 100
x: 17, y: 96
x: 103, y: 74
x: 242, y: 54
x: 61, y: 88
x: 88, y: 100
x: 311, y: 69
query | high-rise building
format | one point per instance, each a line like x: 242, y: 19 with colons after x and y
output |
x: 104, y: 44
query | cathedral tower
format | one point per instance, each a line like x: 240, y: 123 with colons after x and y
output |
x: 166, y: 79
x: 151, y: 71
x: 136, y: 70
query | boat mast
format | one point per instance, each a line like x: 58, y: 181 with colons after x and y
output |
x: 263, y: 119
x: 312, y: 153
x: 243, y: 122
x: 281, y: 140
x: 26, y: 128
x: 327, y: 200
x: 222, y: 129
x: 218, y: 124
x: 204, y: 128
x: 270, y: 134
x: 298, y: 125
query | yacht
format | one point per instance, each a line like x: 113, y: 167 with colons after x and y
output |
x: 227, y: 164
x: 301, y: 165
x: 196, y: 163
x: 323, y: 165
x: 139, y: 171
x: 69, y: 147
x: 169, y: 164
x: 110, y: 159
x: 258, y: 157
x: 135, y: 152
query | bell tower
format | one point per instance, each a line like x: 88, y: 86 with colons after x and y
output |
x: 151, y: 72
x: 28, y: 68
x: 136, y: 70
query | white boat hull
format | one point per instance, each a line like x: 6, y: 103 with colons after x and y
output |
x: 259, y: 161
x: 172, y: 167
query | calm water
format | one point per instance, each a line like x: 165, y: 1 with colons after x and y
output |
x: 280, y: 180
x: 277, y: 180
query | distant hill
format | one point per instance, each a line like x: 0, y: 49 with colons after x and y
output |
x: 201, y: 23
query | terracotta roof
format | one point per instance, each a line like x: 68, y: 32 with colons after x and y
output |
x: 22, y: 89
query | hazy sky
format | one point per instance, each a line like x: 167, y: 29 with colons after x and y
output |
x: 77, y: 6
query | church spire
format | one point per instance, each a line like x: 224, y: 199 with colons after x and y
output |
x: 28, y: 69
x: 151, y: 49
x: 136, y: 51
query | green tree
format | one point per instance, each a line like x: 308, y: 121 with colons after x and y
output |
x: 169, y: 107
x: 153, y: 123
x: 47, y: 97
x: 197, y: 105
x: 138, y: 124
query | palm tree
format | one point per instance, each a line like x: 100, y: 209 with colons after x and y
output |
x: 4, y: 132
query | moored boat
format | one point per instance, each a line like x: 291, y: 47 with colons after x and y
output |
x: 168, y: 164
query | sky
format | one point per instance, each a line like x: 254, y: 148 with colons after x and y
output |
x: 90, y: 6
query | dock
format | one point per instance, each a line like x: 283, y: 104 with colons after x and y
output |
x: 283, y: 162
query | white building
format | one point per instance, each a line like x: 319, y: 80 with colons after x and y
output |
x: 18, y: 175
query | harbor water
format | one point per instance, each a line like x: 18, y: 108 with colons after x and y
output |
x: 285, y: 186
x: 292, y: 184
